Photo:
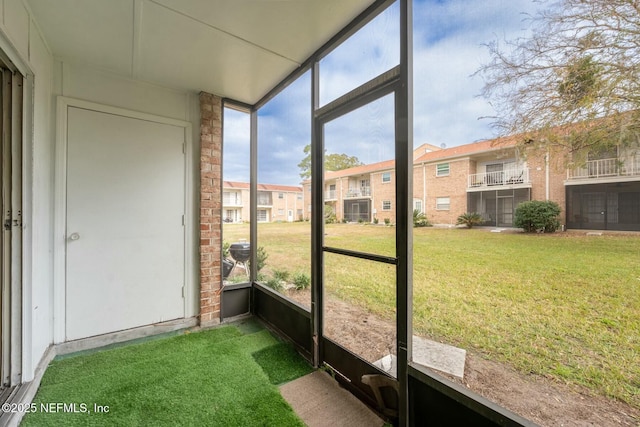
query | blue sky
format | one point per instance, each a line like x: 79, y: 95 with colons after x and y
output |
x: 448, y: 49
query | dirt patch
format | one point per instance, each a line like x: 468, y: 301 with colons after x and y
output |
x: 539, y: 399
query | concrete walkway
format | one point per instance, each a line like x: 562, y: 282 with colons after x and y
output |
x: 319, y: 401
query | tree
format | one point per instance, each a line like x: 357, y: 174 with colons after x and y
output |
x: 332, y: 162
x: 575, y: 82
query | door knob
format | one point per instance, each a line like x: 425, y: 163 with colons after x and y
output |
x: 74, y: 236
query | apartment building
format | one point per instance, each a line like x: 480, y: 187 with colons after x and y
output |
x: 275, y: 202
x: 492, y: 177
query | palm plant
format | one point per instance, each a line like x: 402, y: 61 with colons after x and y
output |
x: 420, y: 219
x: 470, y: 219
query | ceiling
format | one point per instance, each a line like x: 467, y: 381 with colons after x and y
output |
x: 233, y: 48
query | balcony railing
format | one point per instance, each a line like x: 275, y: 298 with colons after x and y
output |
x: 356, y: 192
x: 231, y: 201
x: 499, y: 178
x: 330, y: 195
x: 607, y: 168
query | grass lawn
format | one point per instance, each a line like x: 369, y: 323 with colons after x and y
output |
x: 564, y: 305
x: 225, y: 376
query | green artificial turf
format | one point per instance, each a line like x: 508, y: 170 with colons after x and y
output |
x: 281, y: 363
x: 207, y: 378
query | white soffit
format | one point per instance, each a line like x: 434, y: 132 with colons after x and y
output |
x: 234, y: 48
x: 291, y: 28
x: 204, y: 58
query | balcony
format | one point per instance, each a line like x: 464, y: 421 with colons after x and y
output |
x: 607, y: 168
x: 330, y: 195
x: 358, y: 192
x: 518, y: 176
x: 264, y: 199
x: 231, y: 202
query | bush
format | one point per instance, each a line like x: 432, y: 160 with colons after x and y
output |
x: 387, y: 221
x: 275, y: 284
x: 301, y: 281
x: 329, y: 215
x: 375, y: 220
x: 470, y: 219
x: 540, y: 216
x: 225, y: 249
x: 282, y: 275
x: 262, y: 257
x: 420, y: 219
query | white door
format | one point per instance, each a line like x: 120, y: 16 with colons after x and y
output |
x: 125, y: 234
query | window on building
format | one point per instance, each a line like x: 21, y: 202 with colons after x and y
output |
x: 280, y: 195
x: 417, y: 205
x: 299, y: 196
x: 386, y: 205
x: 386, y: 177
x: 262, y: 215
x: 442, y: 169
x: 442, y: 203
x: 280, y: 212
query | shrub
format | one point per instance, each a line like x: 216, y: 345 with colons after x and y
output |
x: 262, y: 257
x: 301, y: 281
x: 274, y: 284
x: 281, y: 274
x: 470, y: 219
x: 420, y: 219
x: 387, y: 221
x: 329, y: 215
x: 540, y: 216
x: 375, y: 220
x: 225, y: 249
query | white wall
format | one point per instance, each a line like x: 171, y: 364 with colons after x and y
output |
x: 92, y: 84
x: 21, y: 41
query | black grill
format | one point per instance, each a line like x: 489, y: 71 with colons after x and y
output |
x: 241, y: 252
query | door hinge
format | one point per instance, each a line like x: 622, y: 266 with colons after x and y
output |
x: 183, y: 291
x: 183, y: 221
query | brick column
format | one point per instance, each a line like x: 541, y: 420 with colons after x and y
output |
x: 210, y: 207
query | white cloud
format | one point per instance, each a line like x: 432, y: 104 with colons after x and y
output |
x: 448, y: 49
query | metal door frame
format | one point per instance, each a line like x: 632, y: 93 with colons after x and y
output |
x: 11, y: 240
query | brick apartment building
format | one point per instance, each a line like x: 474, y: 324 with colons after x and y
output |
x: 492, y: 178
x: 275, y: 202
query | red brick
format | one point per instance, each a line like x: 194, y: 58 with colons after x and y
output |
x: 210, y: 212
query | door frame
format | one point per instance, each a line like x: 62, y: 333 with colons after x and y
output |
x: 15, y: 212
x: 60, y: 209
